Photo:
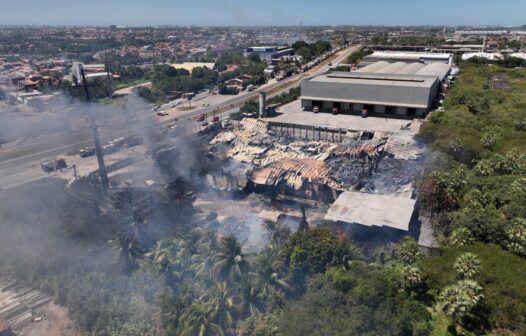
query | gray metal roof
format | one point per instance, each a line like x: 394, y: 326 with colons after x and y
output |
x: 372, y: 88
x: 407, y: 56
x: 373, y: 67
x: 375, y: 79
x: 439, y: 70
x: 411, y: 68
x: 372, y: 210
x: 392, y: 68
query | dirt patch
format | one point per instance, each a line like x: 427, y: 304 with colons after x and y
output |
x: 500, y: 81
x: 50, y: 320
x: 186, y: 108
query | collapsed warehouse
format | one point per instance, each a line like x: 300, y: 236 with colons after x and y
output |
x: 311, y: 163
x: 253, y: 164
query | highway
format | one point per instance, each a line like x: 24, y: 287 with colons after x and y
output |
x: 19, y: 163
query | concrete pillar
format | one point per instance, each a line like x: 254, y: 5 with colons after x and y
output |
x: 262, y: 104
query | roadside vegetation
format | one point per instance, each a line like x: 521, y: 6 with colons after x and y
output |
x: 474, y: 190
x: 311, y: 50
x: 357, y: 56
x: 251, y: 108
x: 286, y: 97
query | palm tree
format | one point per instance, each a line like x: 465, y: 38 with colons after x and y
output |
x: 162, y: 260
x: 196, y: 321
x: 250, y: 298
x: 411, y: 277
x: 458, y: 300
x: 222, y: 308
x: 170, y: 305
x: 461, y: 237
x: 467, y: 265
x: 408, y: 252
x: 517, y: 237
x: 127, y: 251
x: 270, y: 270
x: 203, y: 260
x: 231, y: 262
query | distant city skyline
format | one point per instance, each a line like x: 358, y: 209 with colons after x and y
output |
x: 263, y: 13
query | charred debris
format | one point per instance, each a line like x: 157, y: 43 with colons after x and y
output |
x: 266, y: 170
x: 316, y: 164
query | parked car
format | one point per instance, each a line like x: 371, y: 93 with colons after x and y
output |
x: 335, y: 110
x: 85, y: 152
x: 204, y: 123
x: 316, y: 109
x: 201, y: 117
x: 215, y: 119
x: 162, y: 113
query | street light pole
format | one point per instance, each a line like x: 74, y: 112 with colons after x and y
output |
x: 96, y: 139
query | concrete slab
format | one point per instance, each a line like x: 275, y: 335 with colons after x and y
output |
x: 292, y: 113
x: 373, y: 210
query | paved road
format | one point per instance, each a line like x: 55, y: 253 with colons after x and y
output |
x: 20, y: 163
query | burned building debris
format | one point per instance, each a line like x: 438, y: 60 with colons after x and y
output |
x: 306, y: 178
x: 316, y: 168
x: 321, y: 165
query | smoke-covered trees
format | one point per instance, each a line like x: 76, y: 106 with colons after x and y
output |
x: 231, y: 261
x: 312, y: 251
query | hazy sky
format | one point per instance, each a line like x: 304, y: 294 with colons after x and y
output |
x: 263, y: 12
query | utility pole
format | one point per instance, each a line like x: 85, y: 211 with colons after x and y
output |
x: 108, y: 78
x: 98, y: 148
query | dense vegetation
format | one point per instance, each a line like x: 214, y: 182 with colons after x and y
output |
x: 504, y: 304
x: 311, y: 50
x: 286, y: 97
x: 474, y: 190
x: 481, y: 157
x: 507, y: 62
x: 117, y: 281
x: 357, y: 56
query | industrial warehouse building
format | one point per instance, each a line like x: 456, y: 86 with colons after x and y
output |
x: 397, y: 56
x: 381, y: 89
x: 267, y: 53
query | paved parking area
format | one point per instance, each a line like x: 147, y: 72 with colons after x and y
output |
x: 292, y: 114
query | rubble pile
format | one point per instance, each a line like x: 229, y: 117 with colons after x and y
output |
x: 376, y: 162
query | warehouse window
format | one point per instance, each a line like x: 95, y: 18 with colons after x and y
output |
x: 390, y: 109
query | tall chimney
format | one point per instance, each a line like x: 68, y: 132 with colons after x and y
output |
x: 262, y: 104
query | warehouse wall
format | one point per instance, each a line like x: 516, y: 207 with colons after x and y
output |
x: 387, y: 94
